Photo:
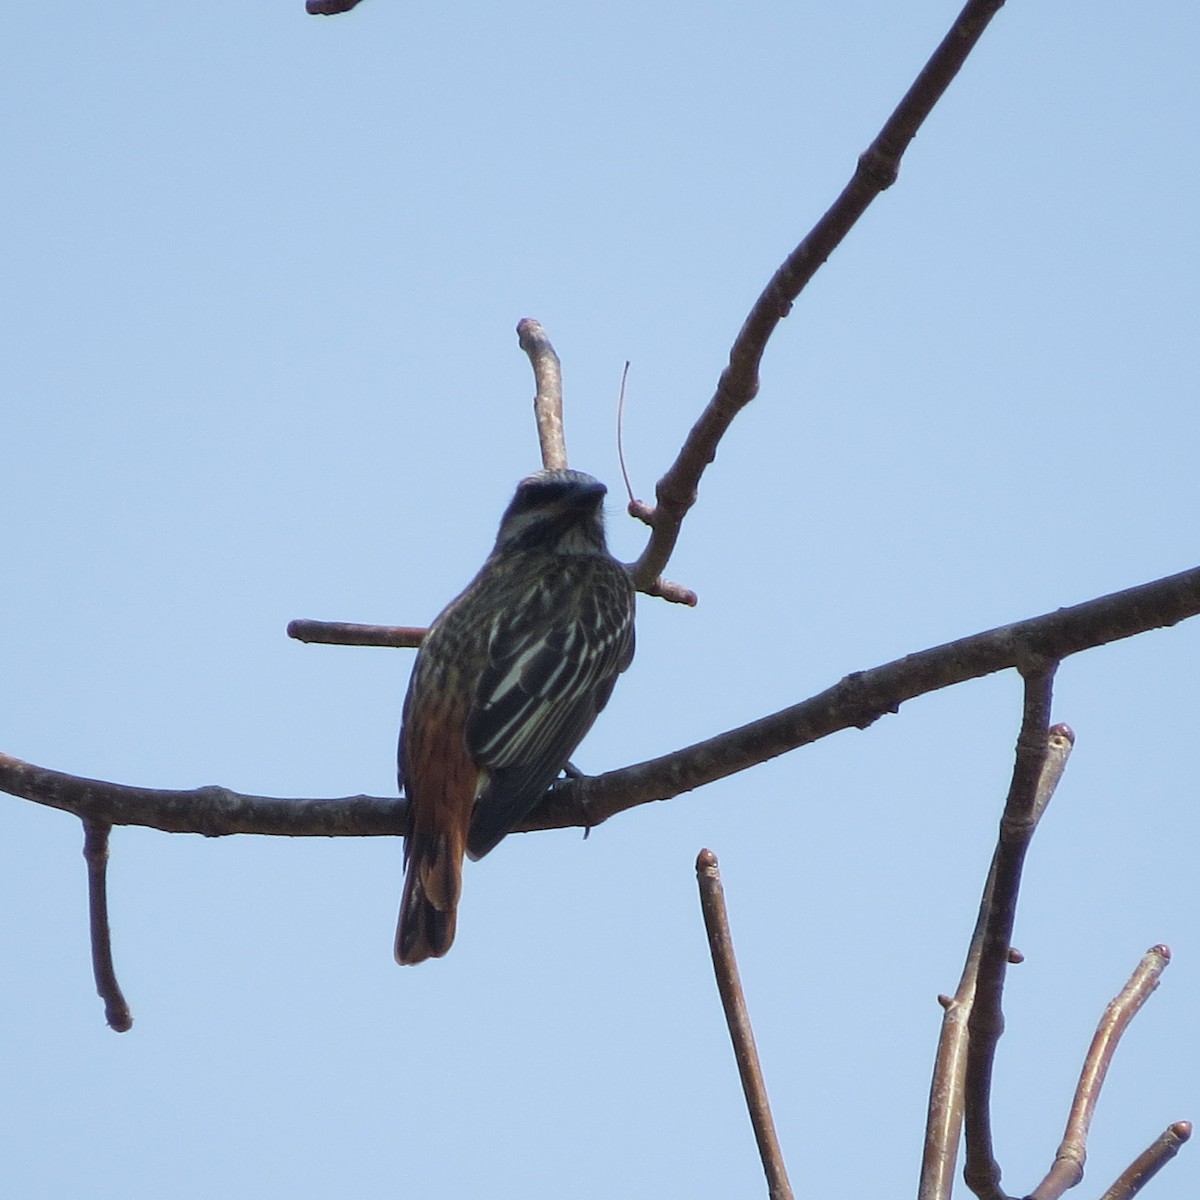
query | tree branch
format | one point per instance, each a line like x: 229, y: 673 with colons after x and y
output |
x: 863, y: 697
x: 95, y: 852
x: 548, y: 400
x: 856, y: 702
x: 211, y: 811
x: 947, y: 1092
x: 877, y: 169
x: 345, y: 633
x: 1067, y: 1170
x: 737, y: 1017
x: 1042, y: 754
x: 1149, y: 1162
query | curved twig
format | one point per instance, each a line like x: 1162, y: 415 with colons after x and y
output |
x: 1067, y: 1170
x: 621, y: 433
x: 877, y: 169
x: 1068, y: 1164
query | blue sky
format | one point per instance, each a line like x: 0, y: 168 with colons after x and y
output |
x: 261, y: 276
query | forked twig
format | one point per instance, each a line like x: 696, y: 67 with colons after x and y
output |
x: 737, y: 1017
x: 95, y: 852
x: 1041, y: 758
x: 943, y: 1126
x: 1149, y: 1162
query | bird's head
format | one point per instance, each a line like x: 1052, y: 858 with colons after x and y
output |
x: 555, y: 512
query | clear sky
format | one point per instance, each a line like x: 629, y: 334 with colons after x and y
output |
x: 261, y: 273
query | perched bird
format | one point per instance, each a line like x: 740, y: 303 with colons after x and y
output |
x: 508, y: 680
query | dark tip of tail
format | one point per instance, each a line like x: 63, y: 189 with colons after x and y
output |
x: 423, y: 933
x: 423, y: 930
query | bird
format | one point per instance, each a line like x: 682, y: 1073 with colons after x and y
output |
x: 508, y: 680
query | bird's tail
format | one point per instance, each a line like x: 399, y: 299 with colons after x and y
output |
x: 429, y: 908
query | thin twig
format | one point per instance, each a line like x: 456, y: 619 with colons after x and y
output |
x: 621, y: 433
x: 344, y: 633
x: 548, y: 401
x: 855, y: 702
x: 95, y: 852
x: 737, y: 1017
x: 1041, y: 756
x: 1149, y: 1162
x: 943, y: 1123
x: 1067, y: 1170
x: 877, y: 169
x: 674, y: 593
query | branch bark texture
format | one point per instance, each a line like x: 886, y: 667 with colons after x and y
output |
x: 855, y: 702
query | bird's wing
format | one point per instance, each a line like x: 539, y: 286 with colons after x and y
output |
x: 551, y: 668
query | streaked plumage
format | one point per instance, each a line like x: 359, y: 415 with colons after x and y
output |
x: 508, y: 681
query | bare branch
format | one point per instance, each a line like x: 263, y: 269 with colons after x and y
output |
x: 737, y: 1017
x: 344, y: 633
x: 1150, y: 1162
x: 863, y: 697
x: 211, y: 811
x: 1041, y: 756
x: 877, y: 169
x: 95, y: 852
x: 1067, y: 1170
x: 548, y: 402
x: 855, y: 702
x: 943, y: 1124
x: 409, y: 637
